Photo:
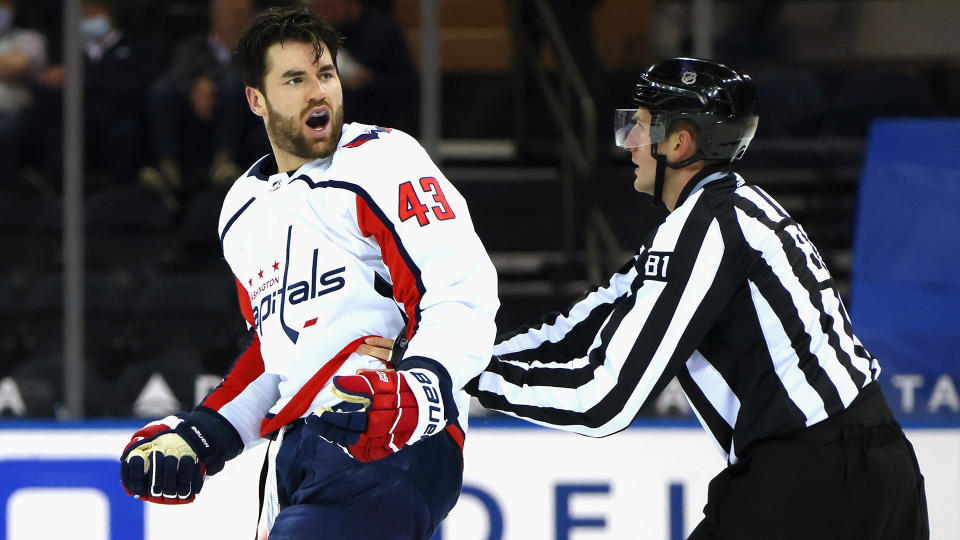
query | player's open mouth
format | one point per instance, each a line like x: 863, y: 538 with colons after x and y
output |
x: 319, y: 119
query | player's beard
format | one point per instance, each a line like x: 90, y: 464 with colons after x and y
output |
x: 287, y: 133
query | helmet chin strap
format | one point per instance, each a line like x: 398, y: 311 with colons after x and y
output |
x: 662, y: 165
x: 658, y: 178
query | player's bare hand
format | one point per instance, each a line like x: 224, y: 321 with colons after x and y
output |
x: 376, y: 347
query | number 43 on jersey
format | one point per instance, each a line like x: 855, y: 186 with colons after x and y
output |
x: 411, y: 206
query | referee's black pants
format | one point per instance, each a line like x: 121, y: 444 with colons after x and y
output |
x: 852, y: 477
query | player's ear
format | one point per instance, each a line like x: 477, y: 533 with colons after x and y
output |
x: 257, y: 101
x: 683, y: 145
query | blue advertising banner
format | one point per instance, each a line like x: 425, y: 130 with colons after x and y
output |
x: 126, y: 520
x: 905, y: 297
x: 59, y: 480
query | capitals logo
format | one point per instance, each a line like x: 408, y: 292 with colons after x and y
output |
x: 290, y: 292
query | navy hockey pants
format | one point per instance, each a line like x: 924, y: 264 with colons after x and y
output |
x: 324, y: 494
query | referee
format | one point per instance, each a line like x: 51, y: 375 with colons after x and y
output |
x: 730, y: 296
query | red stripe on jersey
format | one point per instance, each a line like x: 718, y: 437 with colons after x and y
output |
x: 366, y: 137
x: 297, y: 405
x: 245, y: 370
x: 405, y: 288
x: 310, y: 323
x: 457, y: 434
x: 248, y: 365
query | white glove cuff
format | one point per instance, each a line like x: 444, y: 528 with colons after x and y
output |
x: 425, y: 386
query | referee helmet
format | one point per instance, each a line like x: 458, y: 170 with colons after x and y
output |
x: 720, y: 101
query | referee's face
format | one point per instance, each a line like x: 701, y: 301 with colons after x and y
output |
x: 646, y: 170
x: 302, y: 103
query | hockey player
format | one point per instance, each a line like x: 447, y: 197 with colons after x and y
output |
x: 729, y: 296
x: 345, y: 231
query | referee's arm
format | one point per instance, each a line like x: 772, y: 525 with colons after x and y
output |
x: 680, y: 285
x: 562, y: 337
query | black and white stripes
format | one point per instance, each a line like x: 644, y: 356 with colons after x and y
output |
x: 730, y: 296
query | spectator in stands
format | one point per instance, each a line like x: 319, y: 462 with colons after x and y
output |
x: 116, y: 77
x: 378, y: 74
x: 199, y: 120
x: 22, y: 57
x: 116, y: 74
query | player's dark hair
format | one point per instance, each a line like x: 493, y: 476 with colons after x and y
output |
x: 279, y: 25
x: 686, y: 125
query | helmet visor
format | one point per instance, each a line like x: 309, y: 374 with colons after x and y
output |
x: 632, y: 131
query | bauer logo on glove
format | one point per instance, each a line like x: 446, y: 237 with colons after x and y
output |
x: 166, y: 461
x: 382, y: 411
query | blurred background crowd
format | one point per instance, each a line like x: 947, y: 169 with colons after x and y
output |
x: 527, y: 89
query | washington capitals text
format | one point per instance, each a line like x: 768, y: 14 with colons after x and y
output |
x: 294, y: 293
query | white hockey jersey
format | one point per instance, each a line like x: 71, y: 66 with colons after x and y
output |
x: 343, y: 248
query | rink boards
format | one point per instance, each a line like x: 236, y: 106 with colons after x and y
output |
x: 521, y: 482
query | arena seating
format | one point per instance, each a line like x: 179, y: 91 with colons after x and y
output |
x: 159, y: 297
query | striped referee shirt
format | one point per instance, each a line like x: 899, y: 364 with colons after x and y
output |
x: 728, y: 295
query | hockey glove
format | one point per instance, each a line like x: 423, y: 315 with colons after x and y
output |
x: 166, y: 461
x: 395, y: 408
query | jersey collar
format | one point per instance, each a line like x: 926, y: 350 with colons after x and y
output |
x: 701, y: 179
x: 266, y: 166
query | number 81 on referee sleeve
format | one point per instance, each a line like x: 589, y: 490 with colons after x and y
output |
x: 655, y: 268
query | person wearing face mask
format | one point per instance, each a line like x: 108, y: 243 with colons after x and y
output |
x: 116, y: 77
x: 22, y: 57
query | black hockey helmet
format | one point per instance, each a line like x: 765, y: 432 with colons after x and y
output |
x: 719, y: 100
